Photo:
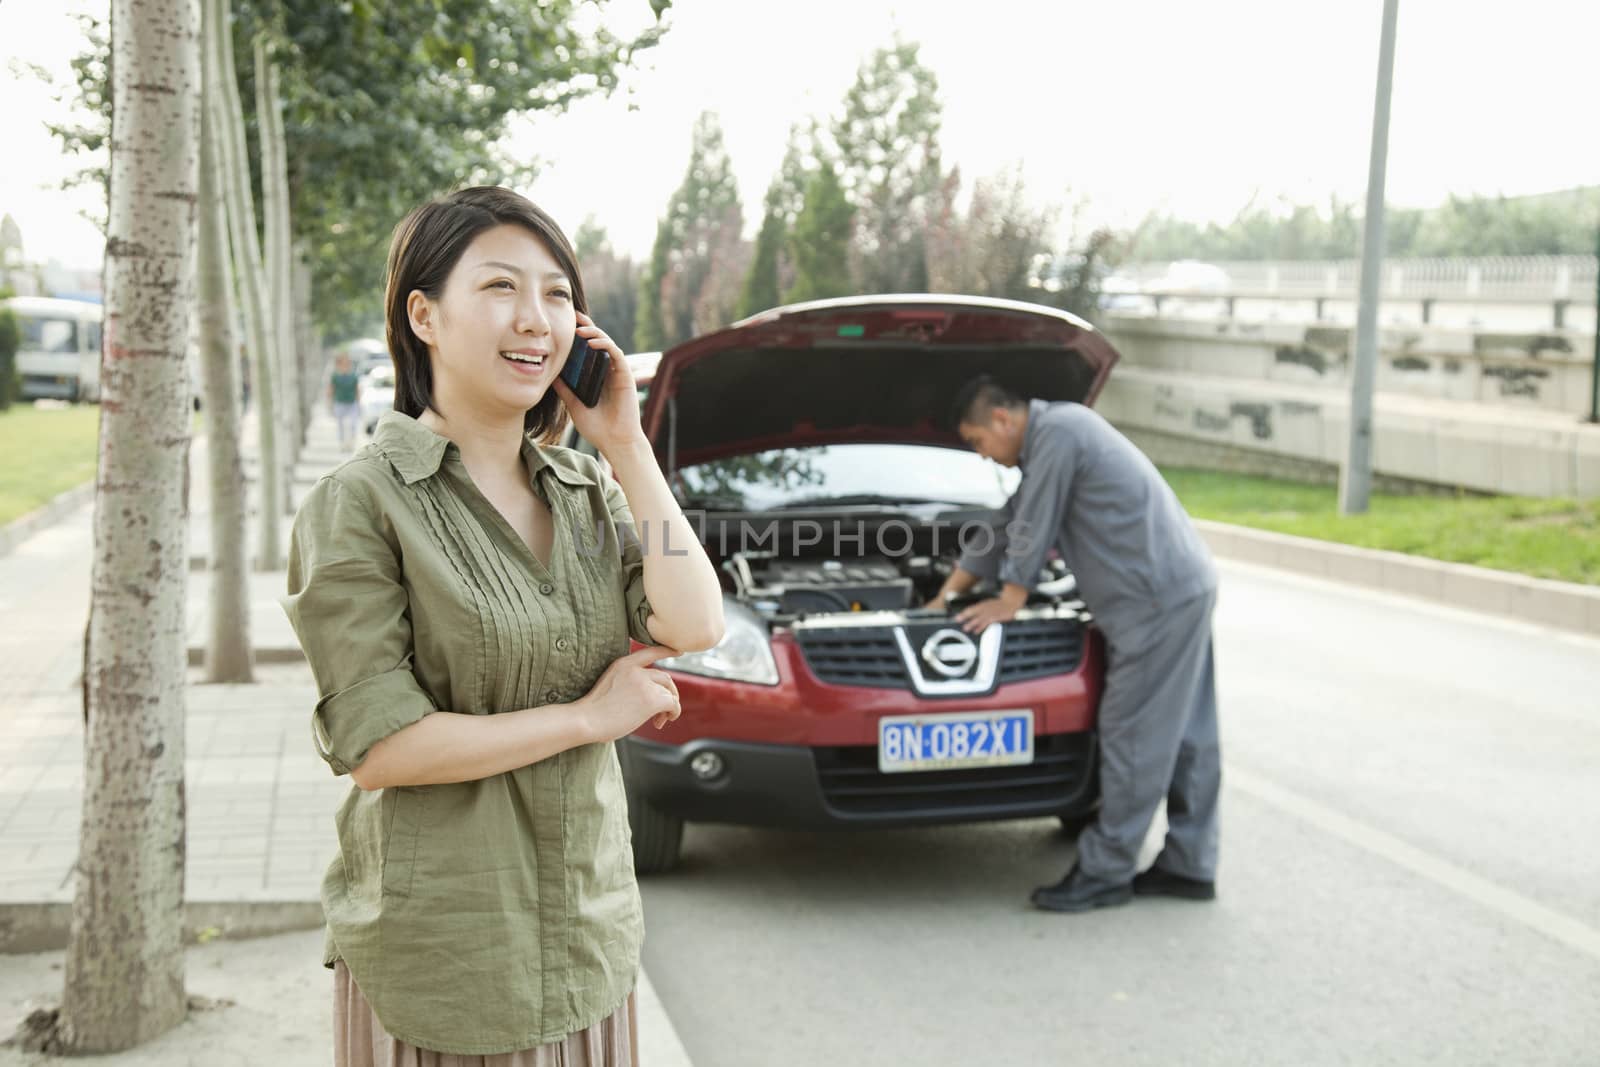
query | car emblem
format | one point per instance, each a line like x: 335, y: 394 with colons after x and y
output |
x: 949, y: 652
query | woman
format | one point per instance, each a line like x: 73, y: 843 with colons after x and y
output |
x: 465, y: 602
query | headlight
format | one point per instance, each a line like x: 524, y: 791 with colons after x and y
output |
x: 743, y: 654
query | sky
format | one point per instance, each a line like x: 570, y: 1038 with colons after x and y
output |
x: 1117, y: 108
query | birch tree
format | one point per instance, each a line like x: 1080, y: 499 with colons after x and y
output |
x: 252, y: 285
x: 124, y: 967
x: 228, y: 652
x: 276, y: 262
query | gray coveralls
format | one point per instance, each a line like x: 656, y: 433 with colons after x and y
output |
x: 1148, y: 578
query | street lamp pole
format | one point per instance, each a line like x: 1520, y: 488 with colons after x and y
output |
x: 1594, y: 373
x: 1355, y: 480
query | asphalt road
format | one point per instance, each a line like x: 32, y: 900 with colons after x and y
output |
x: 1410, y: 874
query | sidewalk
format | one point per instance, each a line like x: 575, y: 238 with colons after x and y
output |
x: 260, y: 801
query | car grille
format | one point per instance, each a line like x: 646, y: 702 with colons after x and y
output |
x: 869, y: 656
x: 1038, y: 647
x: 1062, y: 769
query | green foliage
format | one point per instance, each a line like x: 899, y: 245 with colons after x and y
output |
x: 689, y: 284
x: 10, y: 341
x: 90, y: 94
x: 761, y: 284
x: 999, y: 247
x: 1075, y: 285
x: 771, y: 270
x: 388, y: 104
x: 1551, y: 224
x: 611, y: 283
x: 820, y: 242
x: 889, y: 166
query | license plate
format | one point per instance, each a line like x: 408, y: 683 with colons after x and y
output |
x: 957, y: 739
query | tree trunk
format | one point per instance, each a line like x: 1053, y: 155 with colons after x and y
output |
x: 275, y: 237
x: 307, y: 341
x: 228, y: 654
x: 264, y: 359
x: 124, y: 967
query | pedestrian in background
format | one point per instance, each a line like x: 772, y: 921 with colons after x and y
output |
x: 1144, y: 572
x: 465, y: 590
x: 344, y: 393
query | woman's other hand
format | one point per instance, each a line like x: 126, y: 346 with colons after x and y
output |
x: 630, y: 692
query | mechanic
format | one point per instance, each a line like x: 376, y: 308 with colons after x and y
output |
x: 1144, y: 572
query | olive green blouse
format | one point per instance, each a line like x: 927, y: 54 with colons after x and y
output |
x: 499, y: 914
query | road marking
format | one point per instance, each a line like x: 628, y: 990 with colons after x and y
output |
x: 1512, y: 905
x: 659, y: 1045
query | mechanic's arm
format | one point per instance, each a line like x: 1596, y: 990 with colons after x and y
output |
x: 980, y: 558
x: 1035, y: 512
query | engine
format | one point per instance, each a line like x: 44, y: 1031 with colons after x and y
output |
x: 779, y: 586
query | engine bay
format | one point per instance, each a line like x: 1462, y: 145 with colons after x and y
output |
x: 783, y: 589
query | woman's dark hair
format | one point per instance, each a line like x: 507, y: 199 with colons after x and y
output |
x: 426, y: 247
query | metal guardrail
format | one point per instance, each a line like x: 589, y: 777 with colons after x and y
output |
x: 1558, y: 281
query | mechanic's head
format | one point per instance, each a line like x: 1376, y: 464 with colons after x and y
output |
x: 991, y: 419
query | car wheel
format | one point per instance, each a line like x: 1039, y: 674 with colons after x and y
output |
x: 657, y: 836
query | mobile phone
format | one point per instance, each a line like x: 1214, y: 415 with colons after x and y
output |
x: 586, y: 370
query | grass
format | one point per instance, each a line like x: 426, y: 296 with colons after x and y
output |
x: 47, y: 452
x: 1552, y: 538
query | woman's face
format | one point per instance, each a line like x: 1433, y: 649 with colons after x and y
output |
x: 502, y: 327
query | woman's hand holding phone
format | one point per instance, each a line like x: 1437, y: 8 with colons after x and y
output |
x: 613, y: 422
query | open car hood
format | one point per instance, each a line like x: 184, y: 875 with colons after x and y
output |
x: 858, y: 369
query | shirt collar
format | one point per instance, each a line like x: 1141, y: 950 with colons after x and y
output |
x: 1036, y: 407
x: 416, y: 452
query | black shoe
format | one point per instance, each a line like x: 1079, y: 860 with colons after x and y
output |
x: 1078, y: 892
x: 1158, y: 883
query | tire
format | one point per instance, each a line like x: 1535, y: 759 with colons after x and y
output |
x: 657, y: 836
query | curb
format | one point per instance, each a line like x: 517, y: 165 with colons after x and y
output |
x: 59, y: 507
x: 197, y: 655
x: 1563, y: 605
x: 43, y: 926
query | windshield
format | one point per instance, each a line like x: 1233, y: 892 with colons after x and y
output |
x: 846, y: 475
x: 40, y: 334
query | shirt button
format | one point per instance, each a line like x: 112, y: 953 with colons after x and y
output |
x: 561, y: 644
x: 547, y: 589
x: 551, y: 696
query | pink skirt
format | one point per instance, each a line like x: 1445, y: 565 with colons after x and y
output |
x: 359, y: 1040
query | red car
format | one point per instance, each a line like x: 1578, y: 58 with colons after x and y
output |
x: 809, y: 444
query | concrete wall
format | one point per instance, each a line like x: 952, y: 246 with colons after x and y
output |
x: 1540, y: 371
x: 1454, y: 409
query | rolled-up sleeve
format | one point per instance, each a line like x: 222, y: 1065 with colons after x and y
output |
x: 352, y: 614
x: 633, y: 594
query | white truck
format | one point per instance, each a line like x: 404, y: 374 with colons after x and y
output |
x: 60, y: 351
